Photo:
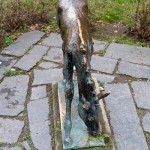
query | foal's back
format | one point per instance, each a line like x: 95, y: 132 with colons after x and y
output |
x: 74, y: 23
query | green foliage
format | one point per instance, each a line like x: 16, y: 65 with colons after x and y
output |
x: 10, y: 38
x: 101, y: 84
x: 148, y: 139
x: 13, y: 72
x: 20, y: 14
x: 132, y: 79
x: 123, y: 39
x: 101, y: 52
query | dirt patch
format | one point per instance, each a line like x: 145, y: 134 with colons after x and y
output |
x: 121, y: 79
x: 107, y: 30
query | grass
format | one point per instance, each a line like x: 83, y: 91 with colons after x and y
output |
x: 9, y: 73
x: 19, y: 15
x: 148, y: 139
x: 123, y: 39
x: 101, y: 84
x: 10, y: 38
x: 132, y: 79
x: 108, y: 144
x: 102, y: 53
x: 112, y: 11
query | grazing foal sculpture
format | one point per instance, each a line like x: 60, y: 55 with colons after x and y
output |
x: 73, y: 21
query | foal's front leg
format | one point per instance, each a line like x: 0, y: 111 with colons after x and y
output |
x: 69, y: 91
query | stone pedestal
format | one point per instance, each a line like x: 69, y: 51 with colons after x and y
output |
x: 79, y: 133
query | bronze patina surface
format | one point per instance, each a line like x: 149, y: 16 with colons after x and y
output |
x: 73, y: 21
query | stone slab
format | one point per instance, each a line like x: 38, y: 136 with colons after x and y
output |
x: 12, y: 148
x: 47, y: 76
x: 5, y: 65
x: 13, y: 91
x: 124, y: 118
x: 146, y: 122
x: 135, y: 54
x: 38, y: 92
x: 134, y: 70
x: 48, y: 65
x: 29, y: 60
x: 103, y: 64
x: 54, y: 40
x: 99, y: 46
x: 54, y: 55
x: 23, y: 43
x: 142, y: 94
x: 79, y: 133
x: 10, y: 130
x: 38, y: 114
x: 103, y: 77
x: 26, y: 145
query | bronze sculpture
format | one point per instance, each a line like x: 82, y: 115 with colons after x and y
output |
x: 73, y: 21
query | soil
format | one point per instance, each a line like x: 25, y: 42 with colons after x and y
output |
x: 106, y: 30
x: 117, y: 32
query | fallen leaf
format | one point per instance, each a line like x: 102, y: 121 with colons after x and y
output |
x: 100, y: 23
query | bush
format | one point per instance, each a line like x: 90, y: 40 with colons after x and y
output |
x: 17, y: 13
x: 142, y: 20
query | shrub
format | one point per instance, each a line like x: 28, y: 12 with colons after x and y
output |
x: 142, y: 19
x: 16, y: 13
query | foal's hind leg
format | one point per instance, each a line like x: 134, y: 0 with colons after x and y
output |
x: 69, y: 91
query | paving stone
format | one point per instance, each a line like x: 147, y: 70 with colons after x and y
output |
x: 146, y: 122
x: 142, y: 94
x: 99, y: 46
x: 48, y: 65
x: 38, y: 92
x: 26, y: 145
x: 134, y: 70
x: 5, y: 65
x: 10, y: 130
x: 103, y: 64
x: 23, y: 43
x: 79, y: 134
x: 47, y: 76
x: 29, y: 61
x: 12, y: 148
x: 124, y: 118
x: 38, y: 114
x: 54, y: 55
x: 13, y: 92
x: 54, y: 40
x: 103, y: 77
x: 135, y: 54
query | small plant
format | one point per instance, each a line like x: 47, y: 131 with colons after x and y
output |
x: 27, y: 137
x: 102, y: 53
x: 142, y: 20
x: 13, y: 72
x: 101, y: 84
x: 148, y: 139
x: 132, y: 79
x: 123, y: 39
x: 9, y: 40
x: 18, y: 144
x: 9, y: 73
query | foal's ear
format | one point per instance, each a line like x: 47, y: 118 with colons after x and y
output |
x: 103, y: 94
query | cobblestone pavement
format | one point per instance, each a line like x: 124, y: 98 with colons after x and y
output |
x: 35, y: 60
